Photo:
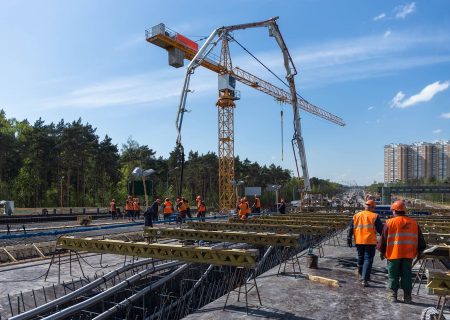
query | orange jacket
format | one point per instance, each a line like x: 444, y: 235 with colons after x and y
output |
x: 257, y: 203
x: 182, y: 206
x: 402, y: 238
x: 136, y: 206
x: 167, y: 207
x: 129, y: 205
x: 243, y: 208
x: 364, y: 227
x: 201, y: 207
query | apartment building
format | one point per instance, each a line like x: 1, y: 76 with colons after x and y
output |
x: 417, y: 161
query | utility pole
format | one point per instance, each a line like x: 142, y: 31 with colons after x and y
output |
x: 61, y: 192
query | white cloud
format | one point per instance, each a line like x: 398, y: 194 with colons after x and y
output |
x: 446, y: 115
x: 425, y: 95
x: 397, y: 99
x: 437, y: 131
x: 387, y: 33
x: 402, y: 11
x: 125, y: 91
x: 370, y: 108
x: 379, y: 17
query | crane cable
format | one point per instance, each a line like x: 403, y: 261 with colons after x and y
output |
x: 282, y: 135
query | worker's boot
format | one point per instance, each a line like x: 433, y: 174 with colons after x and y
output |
x: 407, y: 298
x: 392, y: 295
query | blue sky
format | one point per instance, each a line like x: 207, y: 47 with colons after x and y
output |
x: 383, y: 66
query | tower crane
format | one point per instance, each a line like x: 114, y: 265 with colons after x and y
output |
x: 180, y: 47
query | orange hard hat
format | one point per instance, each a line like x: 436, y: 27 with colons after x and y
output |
x: 398, y: 205
x: 370, y: 203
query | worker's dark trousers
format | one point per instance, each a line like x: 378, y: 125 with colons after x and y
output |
x: 400, y: 270
x: 148, y: 220
x: 366, y: 252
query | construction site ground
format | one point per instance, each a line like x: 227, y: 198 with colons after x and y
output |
x: 287, y: 297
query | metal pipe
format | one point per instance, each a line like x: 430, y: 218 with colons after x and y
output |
x: 125, y: 303
x: 71, y: 296
x: 175, y: 303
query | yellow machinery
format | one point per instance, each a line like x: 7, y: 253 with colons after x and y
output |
x: 180, y: 48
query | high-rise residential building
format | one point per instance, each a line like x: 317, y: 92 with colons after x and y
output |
x: 417, y: 161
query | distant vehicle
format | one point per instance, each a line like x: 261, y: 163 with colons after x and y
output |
x: 6, y: 207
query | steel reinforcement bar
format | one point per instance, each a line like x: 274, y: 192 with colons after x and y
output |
x: 230, y: 257
x: 264, y: 239
x: 254, y: 227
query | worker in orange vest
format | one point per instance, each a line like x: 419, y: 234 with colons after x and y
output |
x: 257, y: 204
x: 136, y: 208
x: 243, y: 209
x: 167, y: 209
x: 182, y: 211
x: 129, y: 208
x: 113, y: 209
x: 401, y: 241
x: 364, y: 226
x: 201, y: 210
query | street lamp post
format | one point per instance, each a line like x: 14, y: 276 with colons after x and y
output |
x: 236, y: 185
x: 61, y: 187
x: 276, y: 187
x: 140, y: 173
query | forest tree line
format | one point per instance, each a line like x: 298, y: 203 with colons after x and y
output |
x: 42, y: 164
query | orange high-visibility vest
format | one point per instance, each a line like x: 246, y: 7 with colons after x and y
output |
x: 136, y: 206
x: 181, y: 206
x: 249, y: 210
x: 129, y: 205
x: 201, y: 207
x: 364, y: 227
x: 243, y: 208
x: 167, y: 207
x: 403, y: 238
x: 257, y: 203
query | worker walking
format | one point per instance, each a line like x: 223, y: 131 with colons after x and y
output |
x: 167, y: 210
x: 136, y: 208
x: 182, y: 211
x: 364, y: 226
x: 188, y: 207
x: 282, y: 207
x: 401, y: 241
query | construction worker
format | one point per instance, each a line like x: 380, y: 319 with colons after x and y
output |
x: 364, y: 226
x: 401, y: 241
x: 182, y: 211
x: 243, y: 209
x: 201, y: 210
x: 167, y: 209
x: 136, y: 208
x: 249, y: 209
x: 113, y: 209
x: 129, y: 208
x: 188, y: 207
x: 257, y: 204
x: 150, y: 213
x: 282, y: 206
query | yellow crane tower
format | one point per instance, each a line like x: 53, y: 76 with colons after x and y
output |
x: 180, y: 47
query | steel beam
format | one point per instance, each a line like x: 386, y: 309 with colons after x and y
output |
x: 437, y: 238
x: 231, y: 257
x: 254, y: 227
x: 264, y: 239
x: 330, y: 223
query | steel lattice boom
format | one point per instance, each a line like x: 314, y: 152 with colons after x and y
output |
x: 254, y: 227
x: 263, y: 239
x: 228, y: 257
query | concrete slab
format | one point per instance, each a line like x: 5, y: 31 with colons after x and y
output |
x: 286, y: 297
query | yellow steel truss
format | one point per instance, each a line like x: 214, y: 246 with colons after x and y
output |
x: 277, y: 228
x: 264, y: 239
x: 230, y: 257
x: 291, y: 222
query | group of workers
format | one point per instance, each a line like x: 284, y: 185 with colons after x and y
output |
x: 243, y: 208
x: 181, y: 207
x: 401, y: 240
x: 132, y: 209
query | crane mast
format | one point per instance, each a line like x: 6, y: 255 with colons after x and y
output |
x: 180, y: 46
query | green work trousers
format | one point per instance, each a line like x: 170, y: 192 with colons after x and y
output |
x: 400, y: 270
